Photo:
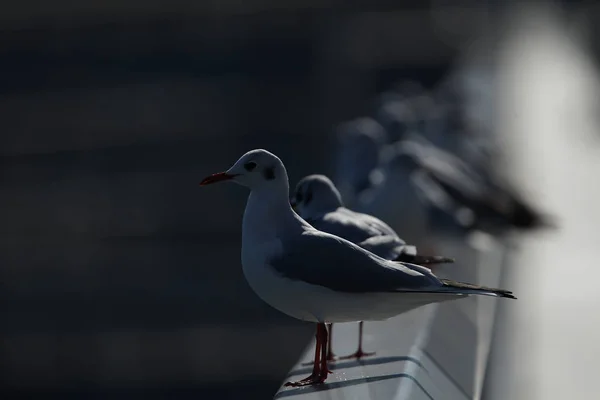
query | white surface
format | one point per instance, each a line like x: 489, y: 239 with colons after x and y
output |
x: 549, y: 112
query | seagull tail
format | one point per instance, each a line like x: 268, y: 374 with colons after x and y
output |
x: 467, y: 288
x: 423, y: 260
x: 523, y: 216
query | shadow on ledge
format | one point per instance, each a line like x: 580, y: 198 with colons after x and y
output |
x: 348, y: 383
x: 358, y: 363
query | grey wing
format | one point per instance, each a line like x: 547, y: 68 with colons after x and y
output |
x: 463, y: 184
x: 368, y: 232
x: 352, y: 226
x: 388, y: 247
x: 454, y: 175
x: 342, y: 228
x: 468, y: 189
x: 430, y: 192
x: 374, y: 224
x: 322, y: 259
x: 437, y: 196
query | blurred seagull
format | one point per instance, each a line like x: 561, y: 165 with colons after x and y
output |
x: 451, y: 191
x: 357, y: 155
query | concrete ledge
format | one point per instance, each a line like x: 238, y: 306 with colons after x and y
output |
x: 436, y: 352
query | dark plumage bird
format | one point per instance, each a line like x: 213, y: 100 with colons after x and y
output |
x: 449, y: 186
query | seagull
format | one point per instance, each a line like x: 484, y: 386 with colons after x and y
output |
x: 455, y: 130
x: 452, y: 193
x: 359, y: 143
x: 397, y: 116
x: 396, y: 200
x: 444, y: 118
x: 318, y: 202
x: 406, y: 108
x: 317, y: 277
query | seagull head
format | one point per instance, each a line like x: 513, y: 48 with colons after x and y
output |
x: 403, y: 156
x: 314, y: 195
x: 398, y: 117
x: 257, y: 169
x: 359, y: 145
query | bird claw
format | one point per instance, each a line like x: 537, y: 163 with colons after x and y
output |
x: 313, y: 379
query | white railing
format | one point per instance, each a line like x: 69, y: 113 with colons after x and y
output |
x: 436, y: 352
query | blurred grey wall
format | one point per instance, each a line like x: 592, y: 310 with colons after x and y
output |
x: 119, y: 274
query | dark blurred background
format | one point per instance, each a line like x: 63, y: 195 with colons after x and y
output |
x: 120, y: 277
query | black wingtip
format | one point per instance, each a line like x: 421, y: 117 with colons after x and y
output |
x: 501, y: 293
x: 525, y: 217
x: 461, y: 285
x: 547, y: 222
x: 424, y: 260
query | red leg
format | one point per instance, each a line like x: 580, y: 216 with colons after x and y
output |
x: 330, y: 355
x: 318, y: 375
x: 324, y: 351
x: 359, y: 353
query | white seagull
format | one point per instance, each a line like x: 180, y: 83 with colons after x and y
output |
x: 317, y: 200
x: 318, y: 277
x: 357, y: 155
x: 455, y: 194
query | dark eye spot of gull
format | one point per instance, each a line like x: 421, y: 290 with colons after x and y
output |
x: 249, y: 166
x: 308, y: 196
x: 269, y: 173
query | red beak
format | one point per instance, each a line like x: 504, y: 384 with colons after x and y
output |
x: 218, y: 177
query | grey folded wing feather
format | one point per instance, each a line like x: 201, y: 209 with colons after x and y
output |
x: 352, y: 226
x: 454, y: 175
x: 388, y: 247
x: 370, y: 223
x: 432, y: 193
x: 325, y: 260
x: 464, y: 185
x: 449, y: 185
x: 344, y: 228
x: 368, y: 232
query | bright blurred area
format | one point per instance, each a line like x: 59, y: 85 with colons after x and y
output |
x: 121, y: 278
